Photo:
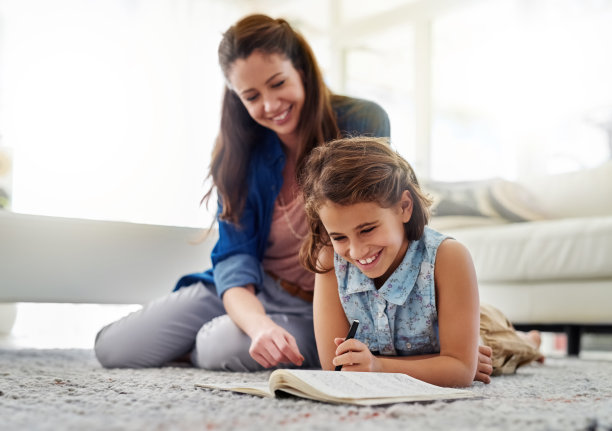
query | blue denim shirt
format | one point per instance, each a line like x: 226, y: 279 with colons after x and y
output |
x: 400, y: 318
x: 239, y: 251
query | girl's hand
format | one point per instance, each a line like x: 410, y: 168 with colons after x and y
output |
x: 272, y: 345
x: 485, y: 365
x: 353, y: 355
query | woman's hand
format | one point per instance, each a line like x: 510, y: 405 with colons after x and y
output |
x: 485, y: 365
x: 353, y: 355
x: 272, y: 345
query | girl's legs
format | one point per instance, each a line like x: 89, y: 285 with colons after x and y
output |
x: 161, y: 331
x: 510, y: 348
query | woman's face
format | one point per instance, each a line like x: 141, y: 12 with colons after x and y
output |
x: 271, y: 90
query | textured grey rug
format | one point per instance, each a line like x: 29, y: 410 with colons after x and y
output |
x: 68, y: 390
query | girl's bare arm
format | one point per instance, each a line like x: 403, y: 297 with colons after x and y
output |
x: 330, y: 321
x: 458, y: 322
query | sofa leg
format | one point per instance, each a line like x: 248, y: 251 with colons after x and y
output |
x: 573, y: 333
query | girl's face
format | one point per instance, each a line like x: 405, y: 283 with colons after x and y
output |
x: 369, y: 236
x: 271, y: 90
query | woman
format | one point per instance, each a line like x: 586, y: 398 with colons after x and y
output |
x: 253, y: 309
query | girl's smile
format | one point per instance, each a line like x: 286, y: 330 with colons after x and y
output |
x: 368, y: 263
x: 369, y: 236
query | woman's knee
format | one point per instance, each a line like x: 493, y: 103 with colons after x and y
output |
x: 107, y: 353
x: 159, y: 332
x: 221, y: 345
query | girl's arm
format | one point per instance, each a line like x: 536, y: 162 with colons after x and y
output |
x: 270, y: 343
x: 330, y: 321
x: 458, y: 320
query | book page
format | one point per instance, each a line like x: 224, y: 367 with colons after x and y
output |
x: 260, y: 388
x: 352, y: 385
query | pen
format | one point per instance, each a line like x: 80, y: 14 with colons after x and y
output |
x: 351, y: 334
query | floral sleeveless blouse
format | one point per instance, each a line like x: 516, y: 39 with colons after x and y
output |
x: 400, y: 318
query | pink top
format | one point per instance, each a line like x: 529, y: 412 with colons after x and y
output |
x: 287, y: 232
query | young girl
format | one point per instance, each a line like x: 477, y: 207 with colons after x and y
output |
x: 413, y: 290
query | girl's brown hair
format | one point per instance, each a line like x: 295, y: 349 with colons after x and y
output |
x: 239, y: 133
x: 355, y: 170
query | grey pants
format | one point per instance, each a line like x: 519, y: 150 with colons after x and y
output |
x: 192, y: 321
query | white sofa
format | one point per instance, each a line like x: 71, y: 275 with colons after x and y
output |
x: 54, y: 259
x: 553, y: 269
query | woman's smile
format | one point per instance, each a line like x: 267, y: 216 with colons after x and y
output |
x: 283, y: 117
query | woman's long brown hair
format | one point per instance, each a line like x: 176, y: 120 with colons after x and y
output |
x: 239, y: 133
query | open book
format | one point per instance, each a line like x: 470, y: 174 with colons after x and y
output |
x: 344, y: 387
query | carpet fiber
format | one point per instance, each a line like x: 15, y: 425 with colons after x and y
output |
x: 68, y: 390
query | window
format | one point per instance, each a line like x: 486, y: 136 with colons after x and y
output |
x: 110, y: 108
x: 517, y: 86
x: 380, y: 68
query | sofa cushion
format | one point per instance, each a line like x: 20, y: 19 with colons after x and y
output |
x: 567, y: 249
x: 584, y: 193
x: 495, y: 198
x: 445, y: 223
